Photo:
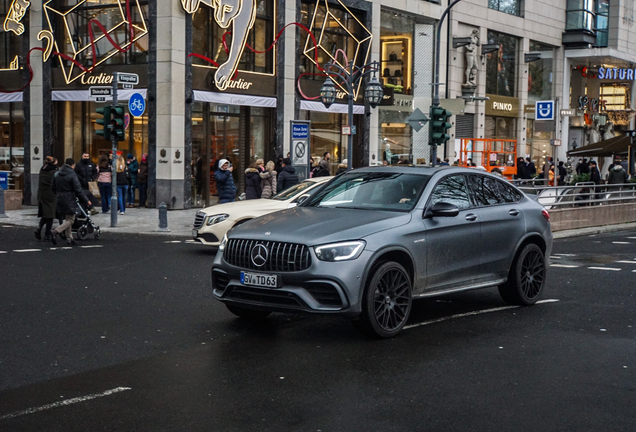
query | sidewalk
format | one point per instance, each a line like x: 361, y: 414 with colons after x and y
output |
x: 135, y: 221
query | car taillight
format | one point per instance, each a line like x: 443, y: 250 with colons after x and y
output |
x: 545, y: 214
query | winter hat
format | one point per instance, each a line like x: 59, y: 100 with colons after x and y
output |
x: 144, y: 158
x: 130, y: 156
x: 223, y: 162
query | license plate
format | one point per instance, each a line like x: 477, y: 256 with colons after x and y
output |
x: 261, y: 280
x: 195, y: 234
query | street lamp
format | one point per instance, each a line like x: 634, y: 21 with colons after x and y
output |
x: 350, y: 76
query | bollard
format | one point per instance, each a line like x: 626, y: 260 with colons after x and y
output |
x: 163, y: 218
x: 2, y: 215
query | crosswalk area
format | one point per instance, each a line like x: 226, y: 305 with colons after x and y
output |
x: 619, y: 261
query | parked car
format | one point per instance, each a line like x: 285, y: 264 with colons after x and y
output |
x: 211, y: 223
x: 373, y: 239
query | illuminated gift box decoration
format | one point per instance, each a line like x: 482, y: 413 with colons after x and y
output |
x: 76, y: 21
x: 330, y: 21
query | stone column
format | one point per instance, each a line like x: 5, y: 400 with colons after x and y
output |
x: 35, y: 99
x: 170, y: 104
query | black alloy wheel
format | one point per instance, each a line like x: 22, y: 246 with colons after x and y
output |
x: 526, y: 278
x: 386, y: 304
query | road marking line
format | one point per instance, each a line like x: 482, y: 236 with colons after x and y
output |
x: 479, y: 312
x: 631, y: 237
x: 555, y: 257
x: 65, y: 403
x: 62, y: 248
x: 626, y: 262
x: 564, y: 265
x: 2, y: 252
x: 565, y: 254
x: 622, y: 242
x: 28, y: 250
x: 604, y: 268
x: 92, y: 246
x: 173, y: 241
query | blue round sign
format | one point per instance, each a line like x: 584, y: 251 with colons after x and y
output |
x: 137, y: 105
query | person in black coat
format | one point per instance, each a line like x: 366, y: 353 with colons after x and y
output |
x: 522, y: 172
x: 323, y: 169
x: 531, y: 169
x: 562, y: 173
x: 252, y: 183
x: 287, y: 177
x: 68, y: 189
x: 86, y: 172
x: 46, y: 198
x: 584, y: 168
x: 595, y: 174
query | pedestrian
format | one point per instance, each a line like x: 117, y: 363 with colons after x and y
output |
x: 522, y: 172
x: 563, y: 172
x: 551, y: 176
x: 260, y: 165
x: 323, y: 169
x: 123, y: 180
x: 313, y: 167
x: 531, y: 169
x: 584, y: 167
x: 224, y: 182
x: 68, y: 189
x: 279, y: 165
x: 445, y: 163
x: 268, y: 180
x: 46, y: 198
x: 287, y: 177
x: 252, y: 183
x: 133, y: 169
x: 104, y: 181
x: 142, y: 180
x: 595, y: 176
x: 342, y: 167
x: 617, y: 175
x: 86, y: 172
x: 577, y: 168
x: 497, y: 172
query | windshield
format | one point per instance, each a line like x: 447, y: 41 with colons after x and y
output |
x: 294, y: 190
x: 371, y: 191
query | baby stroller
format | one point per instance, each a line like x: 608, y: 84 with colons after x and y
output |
x: 83, y: 225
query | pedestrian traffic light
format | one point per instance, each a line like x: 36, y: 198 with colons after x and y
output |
x: 439, y: 126
x: 104, y: 121
x: 118, y: 122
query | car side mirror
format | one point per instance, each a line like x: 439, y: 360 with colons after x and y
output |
x: 441, y: 209
x: 302, y: 199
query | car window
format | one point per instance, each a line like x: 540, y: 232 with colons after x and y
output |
x: 452, y: 190
x: 485, y: 190
x: 508, y: 193
x: 294, y: 190
x: 371, y: 191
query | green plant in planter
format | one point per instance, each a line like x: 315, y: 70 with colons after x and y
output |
x: 580, y: 178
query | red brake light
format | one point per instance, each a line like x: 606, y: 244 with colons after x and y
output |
x: 545, y: 214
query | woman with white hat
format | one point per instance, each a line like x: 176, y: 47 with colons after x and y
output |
x: 224, y: 182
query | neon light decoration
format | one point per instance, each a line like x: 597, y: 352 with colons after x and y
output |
x: 136, y: 31
x: 240, y: 14
x: 14, y: 65
x: 17, y: 10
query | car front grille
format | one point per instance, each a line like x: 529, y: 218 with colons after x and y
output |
x: 282, y: 299
x: 281, y: 257
x: 199, y: 219
x: 325, y: 294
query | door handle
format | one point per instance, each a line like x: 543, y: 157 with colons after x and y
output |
x: 471, y: 217
x: 513, y: 212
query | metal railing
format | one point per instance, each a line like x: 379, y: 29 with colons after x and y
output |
x: 579, y: 195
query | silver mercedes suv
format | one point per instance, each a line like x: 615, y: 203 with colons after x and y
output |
x: 372, y: 239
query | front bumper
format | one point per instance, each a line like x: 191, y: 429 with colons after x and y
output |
x: 325, y: 287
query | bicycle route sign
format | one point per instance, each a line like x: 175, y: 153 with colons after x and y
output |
x: 136, y: 105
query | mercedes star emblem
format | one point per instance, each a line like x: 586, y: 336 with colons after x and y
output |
x: 259, y: 255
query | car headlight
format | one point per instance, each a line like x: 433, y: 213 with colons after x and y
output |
x: 215, y: 219
x: 340, y: 251
x: 223, y: 243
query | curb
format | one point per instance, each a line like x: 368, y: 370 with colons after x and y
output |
x: 593, y: 230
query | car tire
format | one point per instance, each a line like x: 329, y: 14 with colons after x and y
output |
x: 526, y: 278
x: 386, y: 302
x: 247, y: 313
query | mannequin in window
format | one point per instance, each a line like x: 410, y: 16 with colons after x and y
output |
x: 386, y: 156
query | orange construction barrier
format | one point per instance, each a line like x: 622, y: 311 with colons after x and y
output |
x: 490, y: 153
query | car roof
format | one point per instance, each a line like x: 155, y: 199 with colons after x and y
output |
x: 419, y: 169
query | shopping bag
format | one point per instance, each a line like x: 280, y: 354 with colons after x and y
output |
x: 93, y: 188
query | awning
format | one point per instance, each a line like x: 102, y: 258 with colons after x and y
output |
x: 334, y: 108
x: 234, y: 99
x: 606, y: 148
x: 85, y: 95
x: 11, y: 97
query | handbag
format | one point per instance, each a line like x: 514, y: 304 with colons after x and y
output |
x: 93, y: 188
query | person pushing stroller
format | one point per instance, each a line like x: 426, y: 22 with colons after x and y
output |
x: 68, y: 189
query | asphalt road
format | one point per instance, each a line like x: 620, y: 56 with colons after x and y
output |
x: 124, y: 335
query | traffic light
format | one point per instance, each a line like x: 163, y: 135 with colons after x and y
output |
x: 118, y: 122
x: 104, y: 121
x: 439, y: 126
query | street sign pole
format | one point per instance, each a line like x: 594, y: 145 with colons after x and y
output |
x: 113, y: 138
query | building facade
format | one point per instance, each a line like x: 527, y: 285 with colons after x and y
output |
x: 216, y: 87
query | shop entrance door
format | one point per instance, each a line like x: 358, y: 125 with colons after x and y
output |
x: 223, y: 144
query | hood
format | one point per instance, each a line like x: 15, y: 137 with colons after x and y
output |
x: 290, y: 169
x: 66, y: 170
x: 251, y: 170
x: 314, y: 226
x: 617, y: 167
x: 239, y: 207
